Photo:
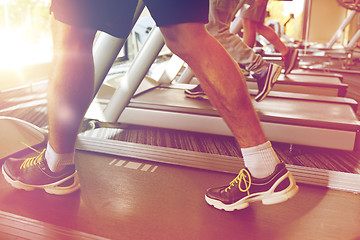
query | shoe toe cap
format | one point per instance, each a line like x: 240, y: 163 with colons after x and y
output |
x: 12, y: 167
x: 216, y: 193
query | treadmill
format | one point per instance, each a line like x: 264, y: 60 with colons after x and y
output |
x: 326, y: 57
x: 306, y: 120
x: 299, y: 81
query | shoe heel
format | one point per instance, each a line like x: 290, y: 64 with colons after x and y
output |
x: 57, y: 189
x: 281, y: 198
x: 284, y: 195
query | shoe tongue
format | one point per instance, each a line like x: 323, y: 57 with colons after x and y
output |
x: 198, y: 88
x: 260, y: 75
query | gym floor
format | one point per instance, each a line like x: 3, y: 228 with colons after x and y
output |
x: 125, y: 198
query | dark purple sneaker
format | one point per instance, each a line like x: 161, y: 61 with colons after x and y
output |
x: 33, y: 173
x: 290, y: 60
x: 244, y: 189
x: 196, y: 92
x: 266, y: 80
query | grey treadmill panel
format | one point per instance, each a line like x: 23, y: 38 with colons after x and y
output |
x: 319, y: 85
x: 272, y: 109
x: 317, y: 73
x: 310, y: 97
x: 308, y: 79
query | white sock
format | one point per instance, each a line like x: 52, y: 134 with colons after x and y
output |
x: 261, y: 160
x: 56, y: 161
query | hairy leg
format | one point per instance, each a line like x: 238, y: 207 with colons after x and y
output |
x: 220, y: 77
x: 249, y: 35
x: 272, y: 37
x: 71, y: 84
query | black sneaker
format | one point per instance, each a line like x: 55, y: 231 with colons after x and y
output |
x: 244, y: 70
x: 290, y: 59
x: 266, y: 80
x: 244, y: 189
x: 34, y: 173
x: 196, y: 92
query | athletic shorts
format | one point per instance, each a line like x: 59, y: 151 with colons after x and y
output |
x: 115, y: 16
x: 255, y: 12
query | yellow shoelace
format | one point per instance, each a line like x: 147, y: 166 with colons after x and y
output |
x: 243, y: 176
x: 28, y: 162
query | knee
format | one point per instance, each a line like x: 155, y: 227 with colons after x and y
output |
x: 71, y: 39
x: 177, y: 44
x: 183, y: 38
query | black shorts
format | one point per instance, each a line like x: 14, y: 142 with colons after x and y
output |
x: 115, y: 16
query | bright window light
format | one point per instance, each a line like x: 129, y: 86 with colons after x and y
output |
x: 25, y: 37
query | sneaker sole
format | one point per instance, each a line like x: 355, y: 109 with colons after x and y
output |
x: 53, y: 188
x: 292, y: 62
x: 261, y: 96
x: 269, y: 197
x: 197, y: 96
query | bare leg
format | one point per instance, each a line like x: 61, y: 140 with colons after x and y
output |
x: 220, y: 77
x: 250, y: 30
x: 71, y: 84
x: 225, y: 86
x: 272, y: 37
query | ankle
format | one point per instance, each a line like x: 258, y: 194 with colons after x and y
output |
x: 261, y: 160
x: 58, y: 161
x: 285, y: 53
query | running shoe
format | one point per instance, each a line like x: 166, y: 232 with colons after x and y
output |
x: 244, y: 189
x: 244, y: 70
x: 196, y: 92
x: 266, y: 80
x: 33, y: 173
x: 291, y: 59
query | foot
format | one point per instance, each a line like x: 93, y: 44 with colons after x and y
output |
x: 244, y: 189
x: 267, y: 80
x: 244, y: 70
x: 196, y: 92
x: 290, y: 59
x: 34, y: 173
